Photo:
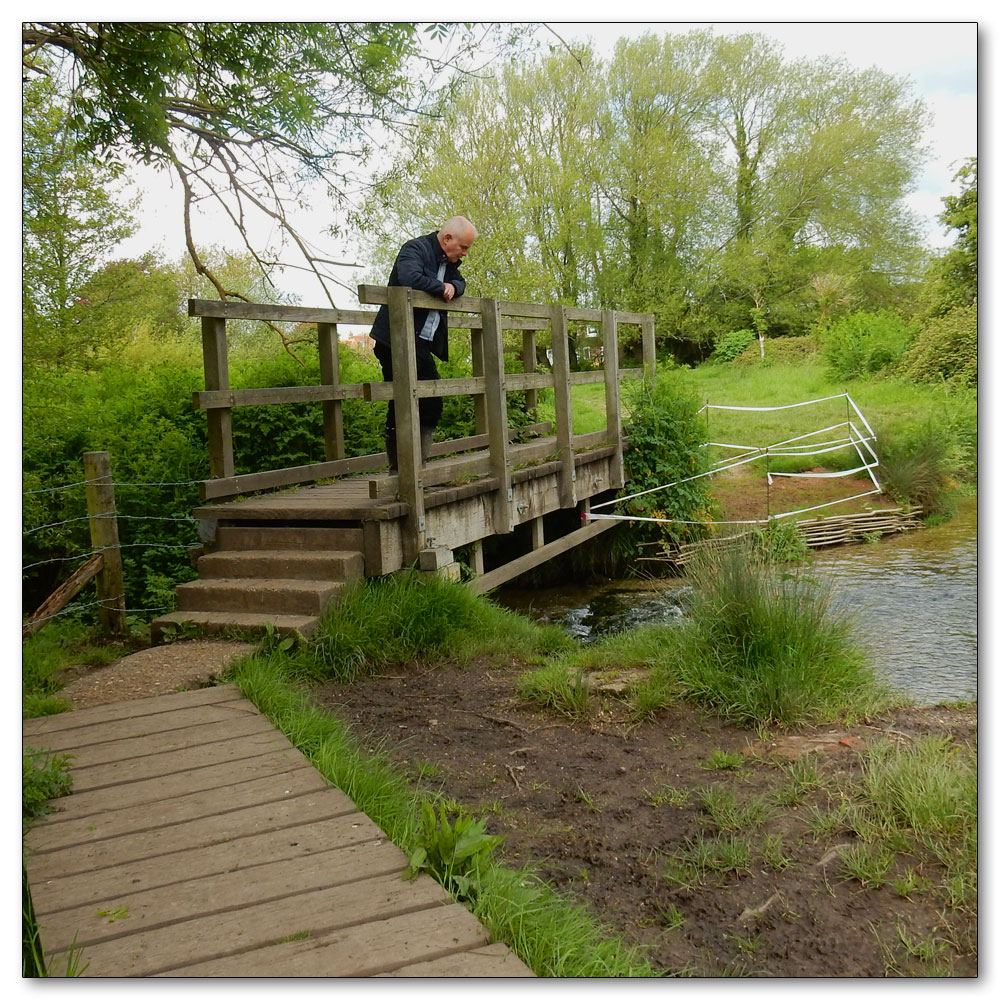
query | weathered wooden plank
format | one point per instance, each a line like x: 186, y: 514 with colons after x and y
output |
x: 564, y: 405
x: 496, y: 417
x: 494, y: 960
x: 220, y: 424
x: 267, y: 396
x: 77, y: 889
x: 308, y: 915
x: 230, y: 826
x: 84, y: 803
x: 136, y: 708
x: 404, y: 380
x: 45, y: 836
x: 127, y: 738
x: 223, y: 893
x: 363, y: 950
x: 278, y: 314
x: 138, y: 769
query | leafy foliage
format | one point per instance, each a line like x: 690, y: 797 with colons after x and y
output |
x: 864, y: 343
x: 946, y: 349
x: 452, y: 853
x: 665, y: 433
x: 731, y: 345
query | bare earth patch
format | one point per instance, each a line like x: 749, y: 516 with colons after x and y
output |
x: 163, y: 669
x: 604, y: 808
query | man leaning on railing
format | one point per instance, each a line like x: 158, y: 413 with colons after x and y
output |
x: 429, y: 264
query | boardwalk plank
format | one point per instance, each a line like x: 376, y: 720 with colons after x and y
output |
x: 221, y: 894
x: 111, y: 730
x: 51, y: 836
x: 232, y: 935
x: 83, y: 804
x: 135, y: 708
x: 494, y: 960
x: 363, y: 950
x: 137, y: 769
x: 107, y: 751
x: 64, y: 891
x: 190, y: 846
x: 230, y: 827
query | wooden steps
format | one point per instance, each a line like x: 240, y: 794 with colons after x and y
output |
x: 266, y: 576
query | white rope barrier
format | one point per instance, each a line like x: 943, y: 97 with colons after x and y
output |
x: 753, y: 453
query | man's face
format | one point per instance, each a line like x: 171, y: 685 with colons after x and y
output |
x: 456, y: 247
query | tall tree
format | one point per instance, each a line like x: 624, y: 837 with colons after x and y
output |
x: 71, y: 222
x: 956, y: 273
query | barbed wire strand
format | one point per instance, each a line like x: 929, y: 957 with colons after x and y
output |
x: 87, y: 482
x: 105, y: 548
x: 109, y: 514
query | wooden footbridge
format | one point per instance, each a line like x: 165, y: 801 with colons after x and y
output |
x: 197, y: 842
x: 279, y: 543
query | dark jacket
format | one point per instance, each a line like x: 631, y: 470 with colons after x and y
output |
x: 417, y: 266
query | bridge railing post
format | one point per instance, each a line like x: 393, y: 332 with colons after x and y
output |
x: 220, y: 420
x: 496, y: 416
x: 329, y: 373
x: 612, y: 394
x: 404, y: 391
x: 564, y: 405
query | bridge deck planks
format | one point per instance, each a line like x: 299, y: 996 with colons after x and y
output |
x: 191, y: 850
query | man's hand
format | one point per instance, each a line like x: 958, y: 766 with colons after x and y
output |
x: 449, y: 291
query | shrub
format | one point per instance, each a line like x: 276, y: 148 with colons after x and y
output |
x: 778, y: 351
x: 864, y: 344
x: 945, y: 349
x: 732, y: 344
x: 666, y: 434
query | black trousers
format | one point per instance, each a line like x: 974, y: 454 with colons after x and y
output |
x: 430, y: 407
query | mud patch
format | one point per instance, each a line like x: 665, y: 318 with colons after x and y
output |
x: 609, y: 812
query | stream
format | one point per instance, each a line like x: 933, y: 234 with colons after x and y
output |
x: 913, y: 595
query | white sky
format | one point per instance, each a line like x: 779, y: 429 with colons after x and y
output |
x: 940, y: 58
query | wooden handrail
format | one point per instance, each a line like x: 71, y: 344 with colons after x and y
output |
x: 489, y: 385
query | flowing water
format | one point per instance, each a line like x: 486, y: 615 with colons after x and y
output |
x: 913, y: 595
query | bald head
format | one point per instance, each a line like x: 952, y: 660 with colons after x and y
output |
x: 456, y: 236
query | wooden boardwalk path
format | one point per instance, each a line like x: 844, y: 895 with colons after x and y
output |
x: 198, y: 841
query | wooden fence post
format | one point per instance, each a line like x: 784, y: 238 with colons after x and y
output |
x: 496, y: 416
x: 104, y: 538
x: 612, y: 394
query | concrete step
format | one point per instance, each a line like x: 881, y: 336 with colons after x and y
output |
x: 295, y: 597
x: 283, y: 537
x: 282, y: 564
x: 249, y: 623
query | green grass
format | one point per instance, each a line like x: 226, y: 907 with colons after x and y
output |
x: 409, y: 616
x: 925, y: 794
x: 557, y: 686
x: 890, y: 405
x: 552, y: 935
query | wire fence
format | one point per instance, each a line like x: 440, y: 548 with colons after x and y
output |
x: 55, y: 564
